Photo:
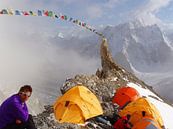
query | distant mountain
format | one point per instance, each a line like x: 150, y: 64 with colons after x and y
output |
x: 141, y: 49
x: 133, y: 45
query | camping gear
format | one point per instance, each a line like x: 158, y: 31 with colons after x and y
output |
x: 125, y: 95
x: 77, y: 105
x: 102, y: 120
x: 135, y: 109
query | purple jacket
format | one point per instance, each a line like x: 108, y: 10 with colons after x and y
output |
x: 12, y: 109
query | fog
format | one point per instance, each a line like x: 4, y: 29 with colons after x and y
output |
x: 28, y: 57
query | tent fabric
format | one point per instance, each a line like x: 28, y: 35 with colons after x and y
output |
x: 135, y: 110
x: 77, y: 105
x: 146, y: 123
x: 124, y: 95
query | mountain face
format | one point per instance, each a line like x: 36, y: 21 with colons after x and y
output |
x: 141, y: 49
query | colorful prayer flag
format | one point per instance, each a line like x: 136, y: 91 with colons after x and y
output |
x: 56, y: 16
x: 17, y: 12
x: 62, y: 17
x: 80, y: 23
x: 25, y: 13
x: 83, y: 24
x: 50, y: 14
x: 74, y: 21
x: 70, y: 19
x: 65, y: 17
x: 10, y: 12
x: 39, y: 13
x: 4, y: 11
x: 46, y: 13
x: 32, y: 13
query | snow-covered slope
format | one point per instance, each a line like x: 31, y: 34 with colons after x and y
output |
x: 162, y: 83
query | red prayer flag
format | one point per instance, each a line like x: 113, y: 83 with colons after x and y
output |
x: 62, y: 17
x: 46, y: 13
x: 25, y: 13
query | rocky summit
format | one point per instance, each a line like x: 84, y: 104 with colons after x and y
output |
x: 103, y: 84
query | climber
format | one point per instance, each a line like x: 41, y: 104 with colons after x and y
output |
x: 14, y: 112
x: 123, y: 123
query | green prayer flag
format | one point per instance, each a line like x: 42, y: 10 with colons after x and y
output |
x: 50, y: 14
x: 65, y: 17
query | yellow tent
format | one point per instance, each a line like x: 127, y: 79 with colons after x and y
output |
x: 77, y: 105
x: 135, y: 110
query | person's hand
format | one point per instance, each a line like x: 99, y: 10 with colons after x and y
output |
x: 18, y: 121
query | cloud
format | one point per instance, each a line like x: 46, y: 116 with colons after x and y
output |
x: 152, y: 6
x: 147, y: 12
x: 69, y: 1
x: 16, y: 4
x: 94, y: 11
x: 155, y: 5
x: 29, y: 57
x: 111, y: 3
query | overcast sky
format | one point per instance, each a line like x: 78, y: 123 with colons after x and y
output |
x: 100, y: 12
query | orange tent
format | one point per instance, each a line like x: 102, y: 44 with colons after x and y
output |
x: 124, y: 95
x: 146, y: 123
x: 135, y: 109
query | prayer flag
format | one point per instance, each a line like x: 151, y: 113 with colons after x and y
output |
x: 39, y: 13
x: 56, y: 16
x: 10, y: 12
x: 17, y: 12
x: 46, y: 13
x: 62, y: 17
x: 50, y: 14
x: 65, y: 17
x: 25, y: 13
x: 70, y: 19
x: 4, y: 11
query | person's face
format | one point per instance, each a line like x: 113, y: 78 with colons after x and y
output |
x: 25, y: 95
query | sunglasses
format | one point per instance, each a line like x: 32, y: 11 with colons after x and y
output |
x: 27, y: 94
